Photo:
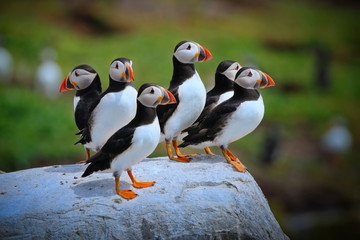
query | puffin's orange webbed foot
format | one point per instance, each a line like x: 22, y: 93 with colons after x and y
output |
x: 143, y: 184
x: 178, y: 153
x: 137, y: 184
x: 171, y: 156
x: 208, y: 151
x: 230, y: 158
x: 80, y: 162
x: 181, y: 159
x: 127, y: 194
x: 239, y: 166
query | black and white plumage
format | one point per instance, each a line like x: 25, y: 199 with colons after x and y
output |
x: 234, y: 118
x: 135, y: 141
x: 222, y: 91
x: 85, y: 80
x: 113, y: 109
x: 190, y: 94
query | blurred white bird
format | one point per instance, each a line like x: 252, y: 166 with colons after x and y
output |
x: 337, y: 139
x: 48, y: 74
x: 6, y: 65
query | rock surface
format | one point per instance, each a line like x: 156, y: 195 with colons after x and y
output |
x: 204, y: 199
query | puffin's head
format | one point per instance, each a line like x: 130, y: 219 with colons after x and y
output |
x: 191, y: 52
x: 251, y: 78
x: 152, y: 95
x: 79, y: 78
x: 121, y: 70
x: 228, y: 68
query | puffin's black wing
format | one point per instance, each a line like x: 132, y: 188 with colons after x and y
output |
x: 211, y: 124
x: 115, y: 145
x: 164, y: 112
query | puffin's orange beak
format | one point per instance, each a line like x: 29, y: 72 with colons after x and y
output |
x: 271, y: 82
x: 131, y: 73
x: 167, y: 98
x: 204, y: 55
x: 172, y: 99
x: 65, y: 86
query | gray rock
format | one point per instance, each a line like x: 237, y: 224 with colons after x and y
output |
x: 204, y: 199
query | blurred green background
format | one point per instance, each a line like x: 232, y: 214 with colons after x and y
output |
x: 310, y: 48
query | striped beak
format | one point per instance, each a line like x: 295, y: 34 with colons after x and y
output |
x: 167, y: 97
x: 66, y: 85
x: 204, y: 54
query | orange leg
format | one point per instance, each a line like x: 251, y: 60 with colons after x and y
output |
x: 127, y: 194
x: 87, y: 156
x: 236, y: 163
x: 171, y: 156
x: 137, y: 184
x: 208, y: 151
x: 178, y: 153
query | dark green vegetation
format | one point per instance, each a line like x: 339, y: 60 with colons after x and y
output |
x: 282, y: 39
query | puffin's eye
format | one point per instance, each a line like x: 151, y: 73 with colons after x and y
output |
x: 117, y: 66
x: 250, y: 74
x: 152, y: 91
x: 76, y: 74
x: 189, y: 47
x: 237, y: 67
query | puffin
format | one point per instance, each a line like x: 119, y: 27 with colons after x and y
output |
x: 113, y: 109
x: 234, y: 118
x: 222, y: 91
x: 85, y: 80
x: 190, y: 94
x: 133, y: 142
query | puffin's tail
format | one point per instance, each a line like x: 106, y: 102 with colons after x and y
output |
x: 98, y: 162
x: 184, y: 144
x: 195, y: 139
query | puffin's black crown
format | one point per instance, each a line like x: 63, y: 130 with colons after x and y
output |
x: 85, y: 67
x: 144, y: 86
x: 122, y: 59
x: 224, y: 65
x: 181, y: 43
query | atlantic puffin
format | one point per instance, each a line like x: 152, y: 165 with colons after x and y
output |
x: 85, y: 80
x: 190, y: 94
x: 234, y: 118
x: 135, y: 141
x: 113, y: 109
x: 222, y: 91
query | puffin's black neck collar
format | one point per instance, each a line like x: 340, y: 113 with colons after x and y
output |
x: 182, y: 71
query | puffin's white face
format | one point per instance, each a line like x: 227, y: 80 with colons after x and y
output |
x: 191, y: 52
x: 121, y: 72
x: 249, y: 78
x: 155, y: 95
x: 80, y: 78
x: 232, y: 70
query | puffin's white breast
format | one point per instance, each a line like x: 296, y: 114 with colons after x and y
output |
x: 242, y: 122
x: 225, y: 96
x: 192, y: 97
x: 143, y: 143
x: 115, y: 110
x: 76, y: 101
